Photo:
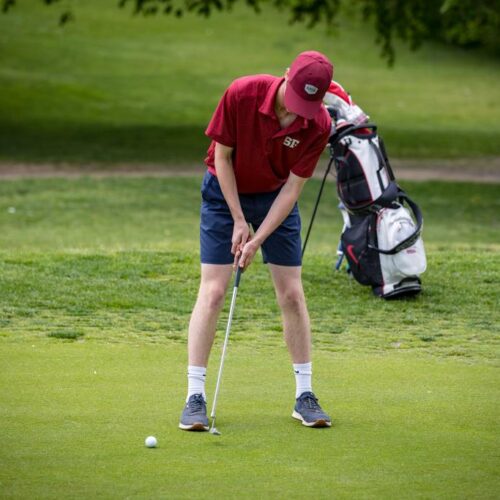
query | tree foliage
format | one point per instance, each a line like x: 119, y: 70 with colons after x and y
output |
x: 466, y: 23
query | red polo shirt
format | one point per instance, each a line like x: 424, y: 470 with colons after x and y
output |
x: 264, y: 153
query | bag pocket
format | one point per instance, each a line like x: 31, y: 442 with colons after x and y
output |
x: 354, y: 192
x: 363, y: 262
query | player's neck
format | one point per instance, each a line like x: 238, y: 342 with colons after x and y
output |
x: 284, y: 116
x: 279, y: 102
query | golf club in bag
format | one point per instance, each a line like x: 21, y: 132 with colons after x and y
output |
x: 381, y: 236
x: 213, y: 429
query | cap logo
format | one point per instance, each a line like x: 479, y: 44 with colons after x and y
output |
x: 310, y: 89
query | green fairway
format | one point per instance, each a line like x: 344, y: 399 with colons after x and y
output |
x: 74, y: 418
x: 111, y: 87
x: 98, y: 278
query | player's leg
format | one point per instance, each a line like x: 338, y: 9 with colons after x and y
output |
x: 297, y: 332
x: 216, y: 227
x: 296, y: 327
x: 282, y: 251
x: 203, y: 323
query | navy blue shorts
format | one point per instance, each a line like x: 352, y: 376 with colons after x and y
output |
x: 282, y: 247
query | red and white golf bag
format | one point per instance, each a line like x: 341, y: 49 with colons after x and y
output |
x: 381, y: 238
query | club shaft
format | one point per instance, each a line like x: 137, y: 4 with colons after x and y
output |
x: 226, y: 339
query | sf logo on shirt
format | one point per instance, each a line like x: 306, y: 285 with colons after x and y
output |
x: 291, y: 143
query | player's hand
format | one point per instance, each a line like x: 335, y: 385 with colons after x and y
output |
x: 247, y: 254
x: 241, y: 234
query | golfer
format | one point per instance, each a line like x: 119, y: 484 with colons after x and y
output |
x: 267, y: 136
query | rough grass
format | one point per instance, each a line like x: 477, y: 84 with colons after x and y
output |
x: 117, y: 259
x: 147, y: 297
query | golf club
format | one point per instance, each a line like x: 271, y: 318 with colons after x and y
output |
x: 213, y: 429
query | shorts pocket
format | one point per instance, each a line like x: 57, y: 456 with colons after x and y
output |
x: 208, y: 180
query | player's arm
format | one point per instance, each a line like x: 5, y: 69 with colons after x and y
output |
x: 279, y: 211
x: 223, y: 160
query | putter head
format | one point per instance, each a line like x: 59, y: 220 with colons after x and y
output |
x: 213, y: 430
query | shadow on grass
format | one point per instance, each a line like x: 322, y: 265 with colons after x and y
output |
x: 81, y: 143
x: 435, y: 143
x: 59, y: 142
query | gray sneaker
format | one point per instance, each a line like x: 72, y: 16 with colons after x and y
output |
x: 194, y: 415
x: 308, y: 410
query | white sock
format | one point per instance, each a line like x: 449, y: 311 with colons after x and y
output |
x: 303, y: 376
x: 196, y: 381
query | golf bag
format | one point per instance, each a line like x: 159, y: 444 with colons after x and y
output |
x: 384, y: 248
x: 381, y: 236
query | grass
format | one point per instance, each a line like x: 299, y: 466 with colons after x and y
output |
x: 98, y: 278
x: 112, y: 87
x: 403, y: 427
x: 66, y: 261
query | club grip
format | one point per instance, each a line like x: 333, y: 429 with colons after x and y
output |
x: 237, y: 277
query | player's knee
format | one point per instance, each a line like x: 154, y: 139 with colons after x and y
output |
x: 291, y: 299
x: 214, y: 297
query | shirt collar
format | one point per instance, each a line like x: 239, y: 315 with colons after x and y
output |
x: 267, y: 106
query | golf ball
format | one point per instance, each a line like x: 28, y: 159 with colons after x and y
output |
x: 151, y: 442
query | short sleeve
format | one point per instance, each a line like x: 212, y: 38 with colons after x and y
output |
x: 308, y: 161
x: 222, y: 126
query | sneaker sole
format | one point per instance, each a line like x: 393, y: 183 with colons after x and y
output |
x: 321, y: 422
x: 197, y: 426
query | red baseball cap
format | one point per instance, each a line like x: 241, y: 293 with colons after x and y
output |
x: 309, y: 77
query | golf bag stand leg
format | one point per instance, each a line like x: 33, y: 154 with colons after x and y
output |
x: 328, y: 168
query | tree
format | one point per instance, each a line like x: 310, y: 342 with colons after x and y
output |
x: 465, y: 23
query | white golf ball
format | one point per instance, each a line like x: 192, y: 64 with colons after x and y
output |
x: 151, y: 442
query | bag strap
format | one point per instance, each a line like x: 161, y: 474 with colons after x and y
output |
x: 406, y: 243
x: 386, y: 158
x: 381, y: 163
